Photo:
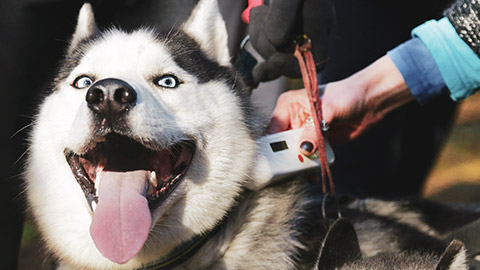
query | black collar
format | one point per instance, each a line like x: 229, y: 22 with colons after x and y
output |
x: 184, y: 251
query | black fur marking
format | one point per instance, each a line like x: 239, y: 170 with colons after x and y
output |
x: 189, y: 56
x: 71, y: 60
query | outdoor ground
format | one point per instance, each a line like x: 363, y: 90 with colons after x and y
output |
x: 455, y: 178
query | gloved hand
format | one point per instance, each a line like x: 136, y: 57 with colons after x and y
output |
x: 274, y: 27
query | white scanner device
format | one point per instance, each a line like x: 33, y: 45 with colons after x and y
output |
x: 279, y: 156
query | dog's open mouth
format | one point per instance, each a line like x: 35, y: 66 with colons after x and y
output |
x: 123, y: 182
x: 117, y: 153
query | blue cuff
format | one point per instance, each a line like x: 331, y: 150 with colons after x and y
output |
x: 419, y: 70
x: 458, y: 64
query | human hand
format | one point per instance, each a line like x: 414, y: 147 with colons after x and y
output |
x: 350, y: 106
x: 291, y: 112
x: 344, y: 115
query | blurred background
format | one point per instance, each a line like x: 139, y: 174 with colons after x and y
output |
x: 456, y: 175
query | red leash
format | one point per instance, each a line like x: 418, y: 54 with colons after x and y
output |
x: 303, y: 52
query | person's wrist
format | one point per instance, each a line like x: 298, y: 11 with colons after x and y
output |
x: 385, y: 88
x: 340, y: 99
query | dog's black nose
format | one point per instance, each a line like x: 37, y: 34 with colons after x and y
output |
x: 111, y: 98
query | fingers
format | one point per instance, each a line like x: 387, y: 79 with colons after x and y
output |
x: 291, y: 111
x: 277, y: 124
x: 308, y: 139
x: 288, y: 116
x: 280, y: 120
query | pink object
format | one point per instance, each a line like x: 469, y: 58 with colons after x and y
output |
x: 246, y: 12
x: 122, y: 220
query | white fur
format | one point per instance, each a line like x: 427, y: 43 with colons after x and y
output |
x: 460, y: 261
x: 215, y: 40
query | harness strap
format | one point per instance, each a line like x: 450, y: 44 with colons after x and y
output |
x: 303, y: 53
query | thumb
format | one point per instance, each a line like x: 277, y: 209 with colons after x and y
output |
x: 308, y: 141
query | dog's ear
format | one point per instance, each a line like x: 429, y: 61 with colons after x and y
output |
x: 207, y: 27
x: 454, y: 257
x: 339, y: 247
x: 86, y: 27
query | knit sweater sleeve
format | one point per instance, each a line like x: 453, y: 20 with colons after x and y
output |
x: 464, y: 17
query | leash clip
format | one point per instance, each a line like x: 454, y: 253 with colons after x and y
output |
x: 324, y: 205
x: 304, y: 43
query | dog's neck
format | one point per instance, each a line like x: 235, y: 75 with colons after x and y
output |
x: 184, y: 251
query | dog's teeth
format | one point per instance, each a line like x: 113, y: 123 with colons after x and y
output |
x: 97, y: 181
x: 94, y: 206
x: 97, y: 178
x: 153, y: 183
x: 153, y: 179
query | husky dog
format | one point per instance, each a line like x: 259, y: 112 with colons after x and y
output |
x: 143, y: 157
x: 142, y: 152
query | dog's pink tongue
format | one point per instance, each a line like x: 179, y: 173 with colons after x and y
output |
x: 121, y: 222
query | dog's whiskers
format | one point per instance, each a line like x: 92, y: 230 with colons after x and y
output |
x: 21, y: 156
x: 22, y: 129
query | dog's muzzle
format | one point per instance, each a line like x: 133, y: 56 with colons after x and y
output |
x: 110, y: 100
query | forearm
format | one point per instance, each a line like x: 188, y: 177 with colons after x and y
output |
x: 374, y: 91
x: 386, y: 88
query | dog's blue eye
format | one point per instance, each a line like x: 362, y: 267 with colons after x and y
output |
x: 82, y: 82
x: 167, y: 81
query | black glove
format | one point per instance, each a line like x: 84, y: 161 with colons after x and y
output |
x: 276, y: 25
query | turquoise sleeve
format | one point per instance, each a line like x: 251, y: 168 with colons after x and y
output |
x: 458, y: 64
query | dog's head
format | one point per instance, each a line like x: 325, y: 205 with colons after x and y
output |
x: 144, y: 142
